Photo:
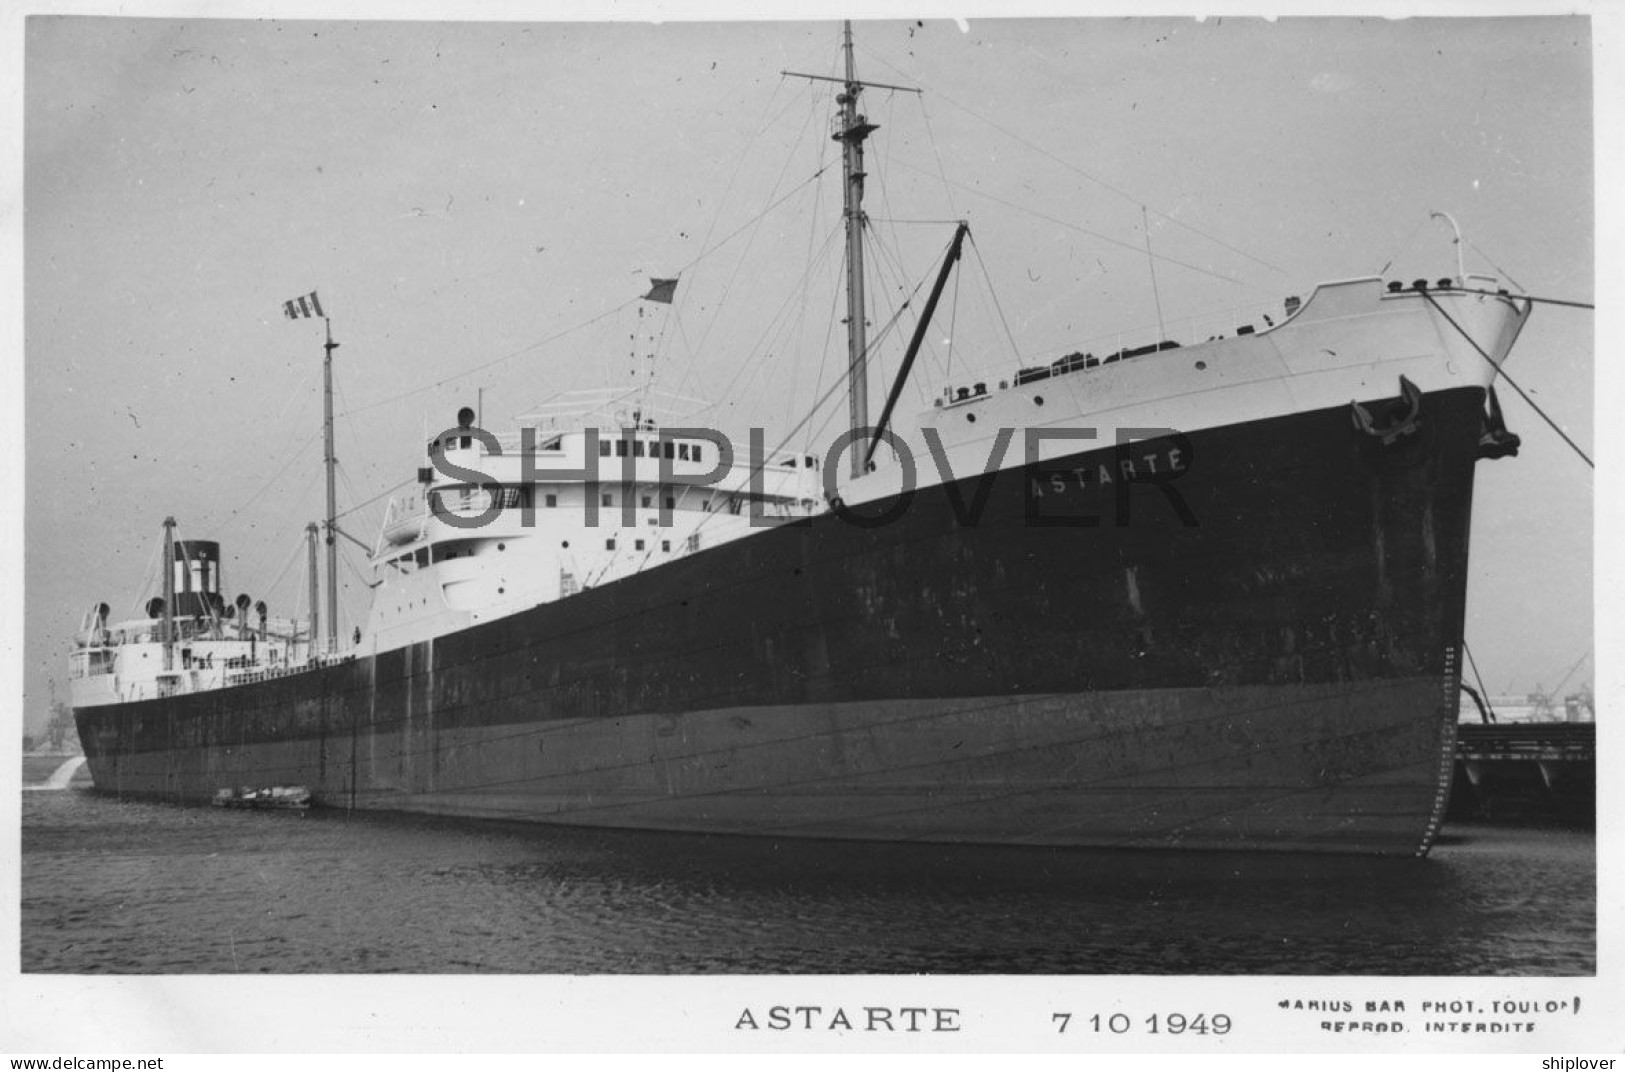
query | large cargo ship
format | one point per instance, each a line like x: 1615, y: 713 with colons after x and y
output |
x: 1207, y: 595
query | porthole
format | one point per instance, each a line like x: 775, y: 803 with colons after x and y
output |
x: 1201, y: 364
x: 1038, y: 400
x: 502, y: 547
x: 971, y: 417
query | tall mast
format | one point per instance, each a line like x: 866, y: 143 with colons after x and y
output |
x: 315, y: 612
x: 169, y: 593
x: 332, y: 501
x: 854, y: 128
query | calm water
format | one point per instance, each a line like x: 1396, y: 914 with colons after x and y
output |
x: 110, y: 886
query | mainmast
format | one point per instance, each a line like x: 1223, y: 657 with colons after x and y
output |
x: 332, y: 501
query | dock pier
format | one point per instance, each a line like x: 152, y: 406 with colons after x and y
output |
x: 1525, y: 770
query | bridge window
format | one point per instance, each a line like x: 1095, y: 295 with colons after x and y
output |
x: 620, y: 448
x: 638, y: 546
x: 637, y: 448
x: 609, y: 544
x: 609, y: 498
x: 603, y: 448
x: 682, y: 451
x: 551, y: 500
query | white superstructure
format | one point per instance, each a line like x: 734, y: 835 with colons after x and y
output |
x: 569, y: 501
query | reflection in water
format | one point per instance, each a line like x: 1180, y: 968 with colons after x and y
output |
x: 111, y: 886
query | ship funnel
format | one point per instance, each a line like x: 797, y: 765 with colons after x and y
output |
x: 197, y: 578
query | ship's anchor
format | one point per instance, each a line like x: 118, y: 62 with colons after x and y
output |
x: 1495, y: 441
x: 1405, y: 425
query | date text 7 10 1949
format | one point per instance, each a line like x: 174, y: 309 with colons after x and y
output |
x: 1158, y: 1023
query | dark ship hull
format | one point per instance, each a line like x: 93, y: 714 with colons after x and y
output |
x: 1259, y: 652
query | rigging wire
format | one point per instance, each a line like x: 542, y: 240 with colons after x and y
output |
x: 1558, y: 688
x: 756, y: 219
x: 706, y: 248
x: 555, y: 337
x: 151, y: 572
x: 270, y: 590
x: 822, y: 401
x: 355, y: 433
x: 739, y: 164
x: 936, y: 152
x: 889, y: 259
x: 1503, y: 374
x: 291, y: 458
x: 1504, y: 273
x: 350, y: 487
x: 692, y: 373
x: 1156, y: 294
x: 827, y: 349
x: 754, y: 224
x: 879, y: 235
x: 875, y: 341
x: 823, y: 165
x: 1092, y: 178
x: 300, y: 386
x: 1015, y: 351
x: 743, y: 387
x: 1084, y: 230
x: 802, y: 311
x: 1527, y: 298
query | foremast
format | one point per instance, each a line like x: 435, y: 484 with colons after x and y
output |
x: 854, y: 128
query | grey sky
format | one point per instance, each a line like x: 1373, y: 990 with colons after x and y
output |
x: 468, y: 195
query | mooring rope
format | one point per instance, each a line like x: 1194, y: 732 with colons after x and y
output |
x: 1503, y: 373
x: 1488, y: 707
